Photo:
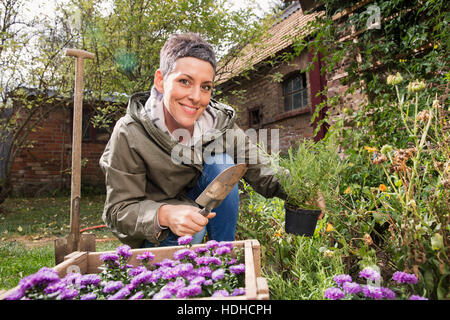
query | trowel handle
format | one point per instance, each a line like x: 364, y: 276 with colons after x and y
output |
x: 205, y: 211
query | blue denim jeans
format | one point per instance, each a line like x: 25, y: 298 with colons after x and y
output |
x: 223, y: 226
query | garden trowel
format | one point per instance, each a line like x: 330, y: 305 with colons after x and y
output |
x: 220, y: 187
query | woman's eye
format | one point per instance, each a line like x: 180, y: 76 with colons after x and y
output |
x: 184, y: 81
x: 207, y: 87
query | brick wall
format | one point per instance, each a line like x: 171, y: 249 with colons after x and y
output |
x: 45, y: 166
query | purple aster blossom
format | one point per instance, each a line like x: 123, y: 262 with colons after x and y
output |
x: 40, y: 279
x: 333, y: 293
x: 90, y: 279
x: 231, y: 261
x: 211, y: 244
x: 184, y: 240
x: 173, y: 286
x: 89, y: 296
x: 163, y: 294
x: 145, y: 257
x: 189, y: 291
x: 238, y: 292
x: 208, y: 282
x: 238, y: 268
x: 184, y: 253
x: 16, y: 295
x: 370, y: 274
x: 198, y: 280
x: 387, y: 293
x: 200, y: 250
x: 137, y: 296
x: 416, y: 297
x: 141, y: 278
x: 222, y: 250
x: 135, y: 271
x: 218, y: 274
x: 68, y: 294
x: 403, y: 277
x: 221, y: 293
x: 166, y: 263
x: 72, y: 279
x: 372, y: 292
x: 124, y: 251
x: 183, y: 270
x: 168, y: 273
x: 109, y: 257
x: 204, y: 271
x: 340, y: 279
x: 206, y: 260
x: 54, y: 287
x: 227, y: 244
x: 351, y: 287
x: 112, y: 286
x: 121, y: 294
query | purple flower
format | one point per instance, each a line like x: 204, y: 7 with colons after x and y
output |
x: 238, y: 268
x: 89, y: 296
x: 333, y: 294
x: 238, y: 292
x: 135, y: 271
x: 109, y: 257
x: 370, y: 274
x: 416, y: 297
x: 222, y: 250
x: 227, y: 244
x: 174, y: 286
x: 372, y: 292
x: 403, y: 277
x: 231, y: 261
x: 68, y: 294
x: 145, y: 278
x: 16, y: 295
x: 73, y: 278
x: 166, y: 263
x: 112, y: 286
x: 351, y: 287
x: 121, y: 294
x: 184, y: 253
x: 199, y: 280
x: 211, y: 244
x: 189, y: 291
x: 221, y: 293
x: 204, y: 271
x: 184, y: 240
x: 54, y: 287
x: 163, y: 294
x: 146, y: 256
x: 201, y: 250
x: 206, y: 260
x: 40, y: 279
x: 218, y: 274
x: 90, y: 279
x: 183, y: 270
x: 387, y: 293
x: 124, y: 251
x: 137, y: 296
x: 340, y: 279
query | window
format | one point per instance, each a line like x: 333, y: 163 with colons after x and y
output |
x: 254, y: 117
x: 295, y: 93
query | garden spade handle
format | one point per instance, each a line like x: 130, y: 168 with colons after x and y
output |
x: 76, y: 143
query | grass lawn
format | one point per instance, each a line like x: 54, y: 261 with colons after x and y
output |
x: 28, y: 227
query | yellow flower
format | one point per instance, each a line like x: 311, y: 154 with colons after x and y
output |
x: 348, y: 190
x: 382, y: 187
x: 329, y: 227
x: 278, y: 233
x: 402, y: 60
x: 370, y: 149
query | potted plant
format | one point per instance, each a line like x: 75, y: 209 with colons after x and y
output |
x: 311, y: 178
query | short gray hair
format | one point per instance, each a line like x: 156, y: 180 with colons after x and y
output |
x: 185, y: 45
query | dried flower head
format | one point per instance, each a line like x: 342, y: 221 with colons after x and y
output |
x: 423, y: 116
x: 394, y: 79
x: 416, y: 86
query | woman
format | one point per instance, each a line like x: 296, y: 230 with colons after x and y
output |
x: 151, y: 188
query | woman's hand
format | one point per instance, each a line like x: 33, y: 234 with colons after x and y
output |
x: 183, y: 219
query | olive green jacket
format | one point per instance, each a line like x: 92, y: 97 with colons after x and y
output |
x: 140, y: 175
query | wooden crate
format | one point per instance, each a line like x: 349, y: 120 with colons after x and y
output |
x: 256, y: 287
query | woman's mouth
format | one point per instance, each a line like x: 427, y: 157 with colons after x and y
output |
x: 190, y: 110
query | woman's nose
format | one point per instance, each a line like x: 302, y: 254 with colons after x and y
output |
x: 195, y: 94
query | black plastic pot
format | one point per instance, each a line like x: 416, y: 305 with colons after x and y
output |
x: 300, y: 221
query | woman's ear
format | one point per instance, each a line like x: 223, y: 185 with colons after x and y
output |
x: 159, y: 81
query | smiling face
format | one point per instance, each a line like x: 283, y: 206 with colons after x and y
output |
x: 186, y: 90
